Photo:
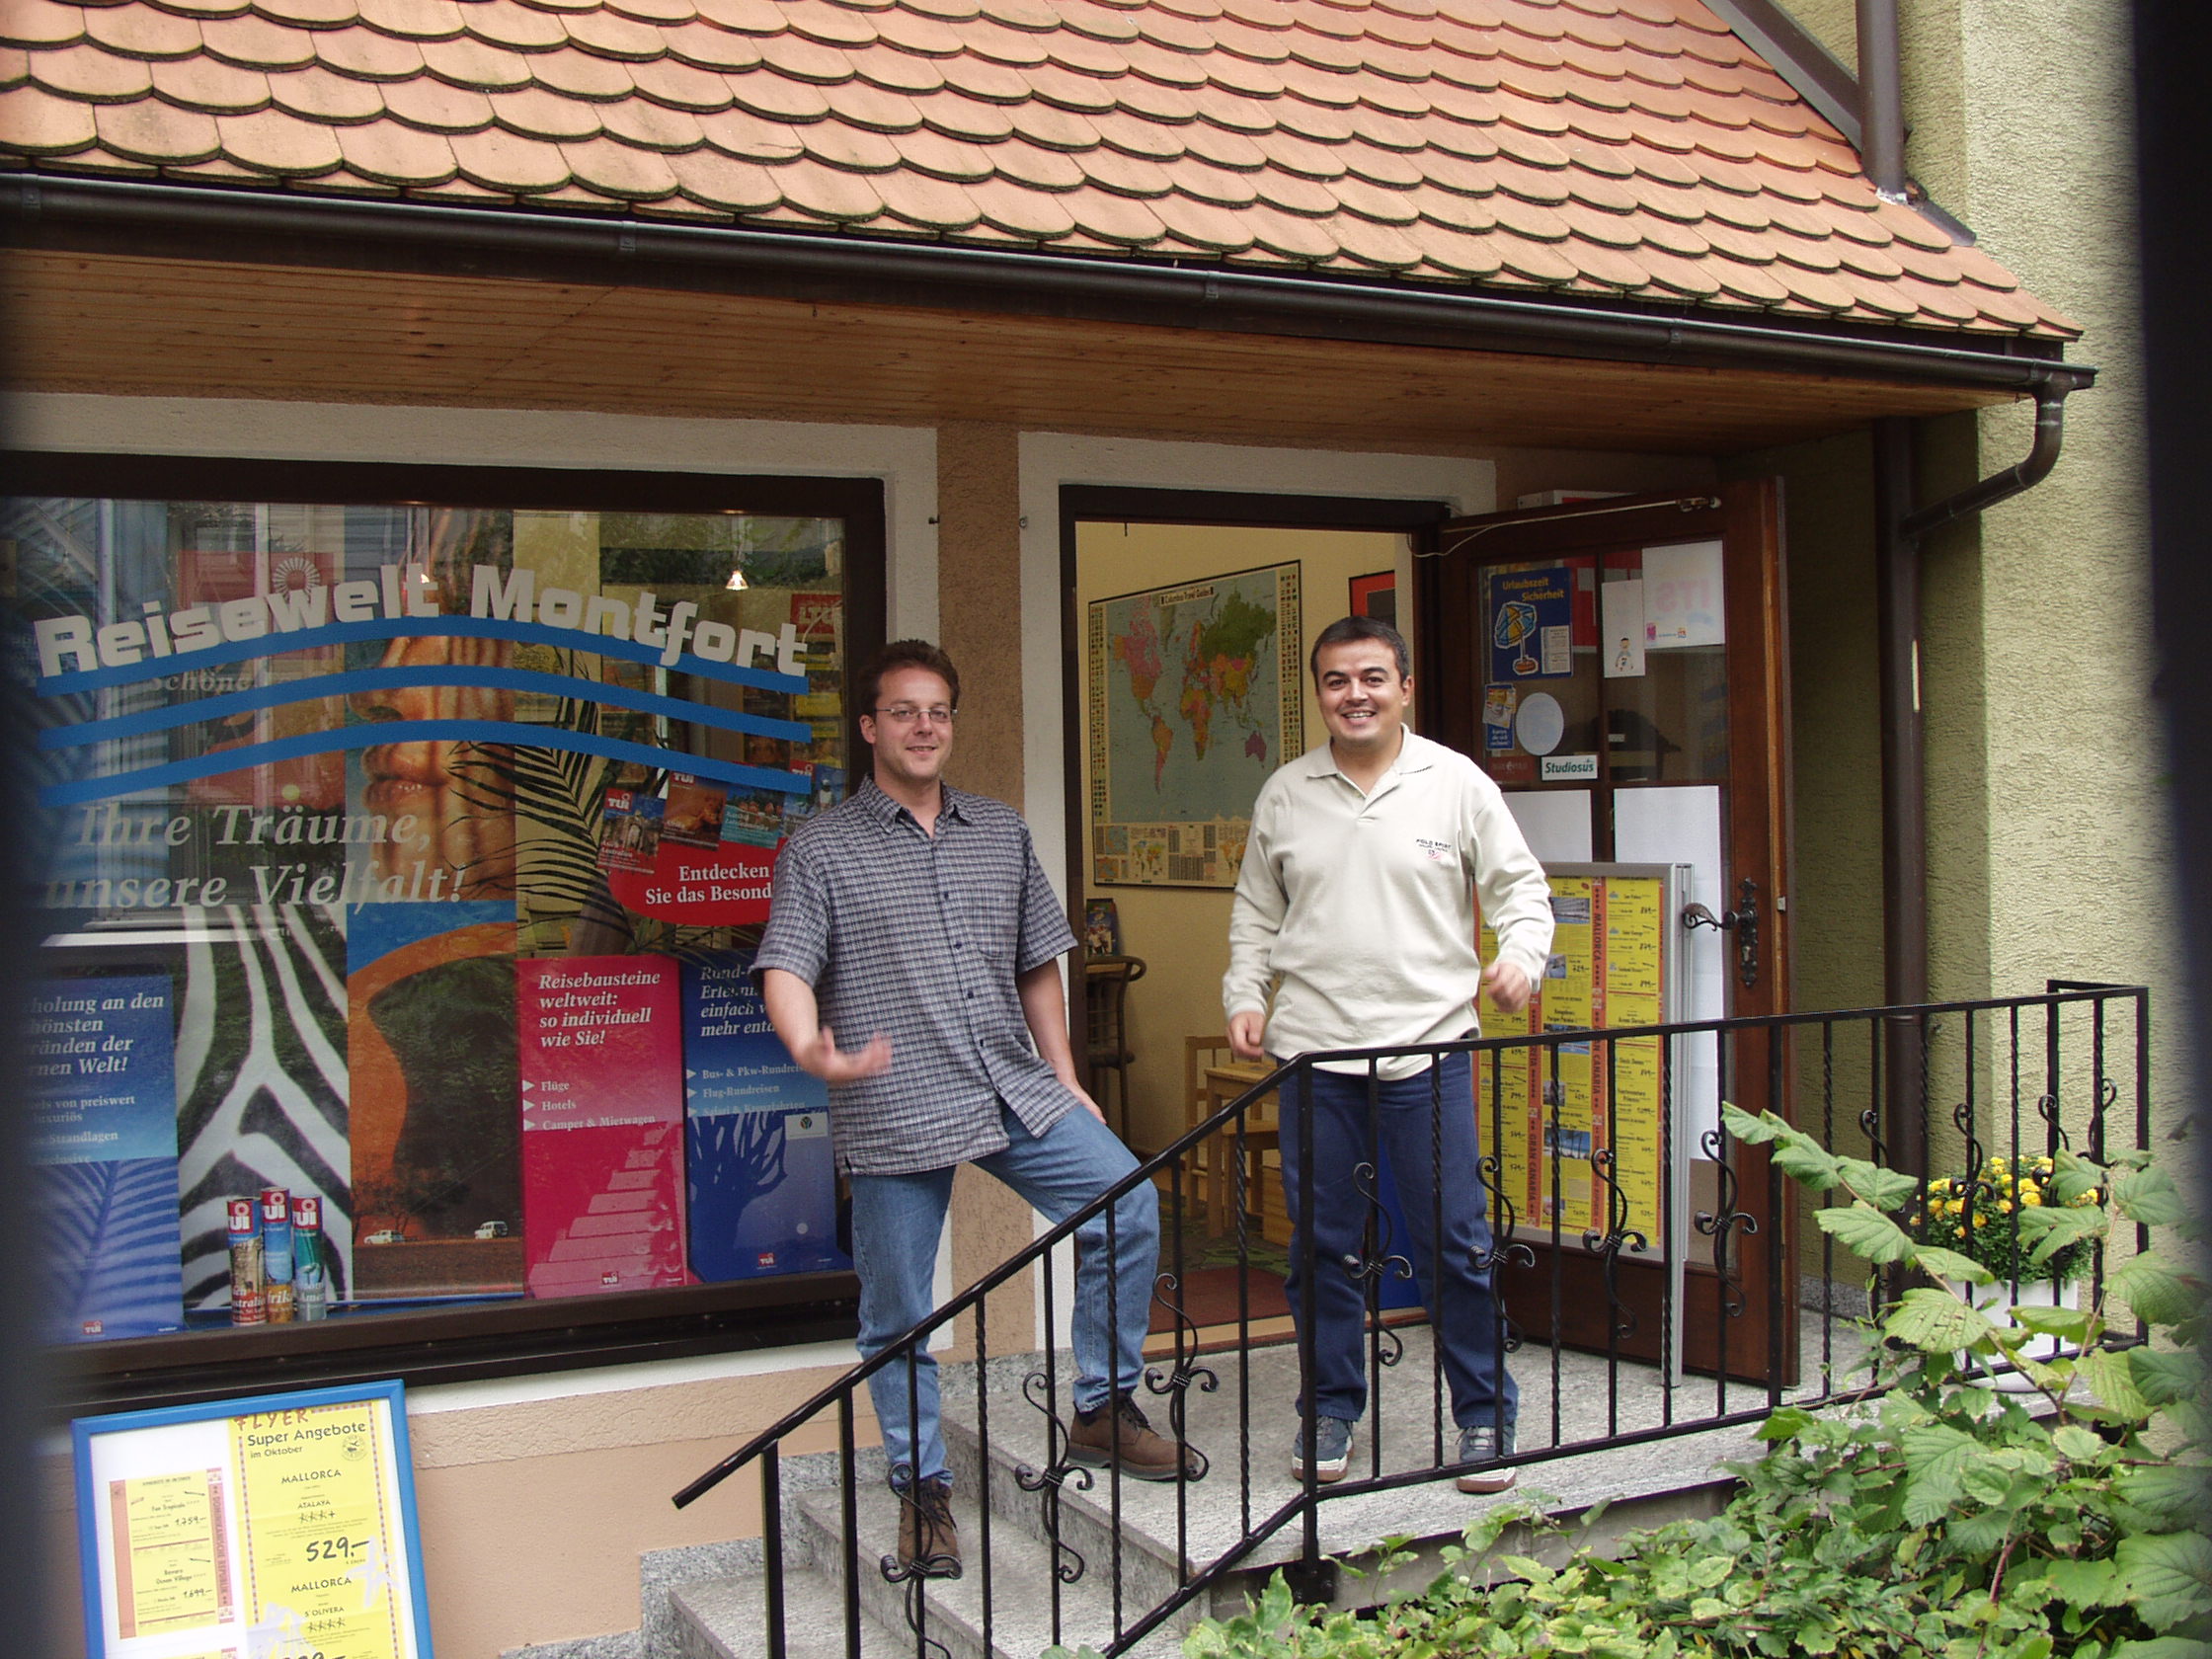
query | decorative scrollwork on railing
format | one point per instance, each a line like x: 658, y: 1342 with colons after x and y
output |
x: 2046, y: 1108
x: 1618, y: 1236
x: 1361, y: 1268
x: 1510, y: 1338
x: 1871, y: 1126
x: 1974, y: 1192
x: 1512, y: 1253
x: 1175, y: 1382
x: 1058, y: 1472
x: 917, y: 1590
x: 1723, y: 1223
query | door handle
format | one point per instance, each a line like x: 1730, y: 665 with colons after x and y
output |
x: 1743, y: 922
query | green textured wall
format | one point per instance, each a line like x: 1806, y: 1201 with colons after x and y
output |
x: 2049, y: 848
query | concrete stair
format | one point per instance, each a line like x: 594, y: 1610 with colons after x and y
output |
x: 1150, y: 1538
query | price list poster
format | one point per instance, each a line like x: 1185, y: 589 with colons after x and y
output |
x: 280, y: 1526
x: 1604, y: 973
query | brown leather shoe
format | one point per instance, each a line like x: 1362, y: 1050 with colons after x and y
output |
x: 928, y: 1542
x: 1121, y: 1434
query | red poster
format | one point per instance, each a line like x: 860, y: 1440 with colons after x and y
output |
x: 601, y: 1057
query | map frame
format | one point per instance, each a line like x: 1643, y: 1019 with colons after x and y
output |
x: 1207, y: 853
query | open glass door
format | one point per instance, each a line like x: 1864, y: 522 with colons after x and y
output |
x: 1619, y: 666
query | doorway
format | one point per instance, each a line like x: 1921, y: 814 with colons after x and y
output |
x: 1619, y: 667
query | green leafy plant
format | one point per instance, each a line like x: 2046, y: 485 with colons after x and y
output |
x: 1918, y: 1519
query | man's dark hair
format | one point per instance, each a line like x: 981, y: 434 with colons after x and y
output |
x: 1346, y: 630
x: 904, y: 654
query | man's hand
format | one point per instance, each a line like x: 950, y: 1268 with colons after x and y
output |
x: 824, y: 1060
x: 1083, y: 1097
x: 1507, y: 986
x: 1246, y: 1031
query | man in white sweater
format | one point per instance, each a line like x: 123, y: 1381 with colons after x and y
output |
x: 1356, y: 903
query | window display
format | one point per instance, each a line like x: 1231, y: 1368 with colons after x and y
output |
x: 400, y: 867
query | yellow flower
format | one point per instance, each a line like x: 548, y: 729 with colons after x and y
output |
x: 1981, y: 1219
x: 2004, y: 1207
x: 2030, y: 1199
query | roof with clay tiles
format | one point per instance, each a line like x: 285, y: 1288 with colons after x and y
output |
x: 1615, y: 149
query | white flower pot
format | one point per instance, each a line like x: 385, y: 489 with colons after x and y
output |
x: 1997, y: 1301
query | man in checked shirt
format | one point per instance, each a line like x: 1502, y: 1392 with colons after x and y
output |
x: 914, y: 918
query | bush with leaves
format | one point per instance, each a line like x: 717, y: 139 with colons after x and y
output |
x: 1921, y: 1519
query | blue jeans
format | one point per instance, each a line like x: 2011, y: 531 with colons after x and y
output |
x: 895, y: 1223
x: 1463, y: 1315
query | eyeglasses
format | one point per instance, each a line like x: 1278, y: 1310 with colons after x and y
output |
x: 906, y: 714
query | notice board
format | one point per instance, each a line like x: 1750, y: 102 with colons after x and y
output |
x: 1615, y: 963
x: 279, y: 1527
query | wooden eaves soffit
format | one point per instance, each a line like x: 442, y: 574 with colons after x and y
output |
x: 1569, y: 221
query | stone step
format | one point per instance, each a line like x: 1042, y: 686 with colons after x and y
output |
x: 727, y: 1619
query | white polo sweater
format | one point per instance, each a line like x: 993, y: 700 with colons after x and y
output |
x: 1363, y: 905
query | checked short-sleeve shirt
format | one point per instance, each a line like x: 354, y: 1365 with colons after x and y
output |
x: 920, y: 938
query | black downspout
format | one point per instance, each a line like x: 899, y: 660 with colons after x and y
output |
x: 1904, y: 789
x: 1881, y: 102
x: 1898, y: 533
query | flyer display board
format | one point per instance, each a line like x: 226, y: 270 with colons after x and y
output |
x: 1615, y: 963
x: 279, y: 1527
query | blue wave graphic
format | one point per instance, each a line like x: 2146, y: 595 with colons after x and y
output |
x: 376, y: 733
x: 256, y: 697
x: 421, y: 627
x: 111, y: 1245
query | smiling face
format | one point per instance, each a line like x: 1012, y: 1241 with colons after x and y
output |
x: 1363, y: 697
x: 908, y: 753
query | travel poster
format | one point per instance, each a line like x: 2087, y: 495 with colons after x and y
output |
x: 761, y: 1177
x: 600, y: 1061
x: 1531, y: 610
x: 102, y: 1145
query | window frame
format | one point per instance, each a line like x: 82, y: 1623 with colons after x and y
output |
x: 523, y: 1336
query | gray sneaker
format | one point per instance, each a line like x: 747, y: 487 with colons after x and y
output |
x: 1332, y: 1451
x: 1486, y: 1443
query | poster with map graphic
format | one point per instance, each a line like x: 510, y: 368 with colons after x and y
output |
x: 1195, y: 699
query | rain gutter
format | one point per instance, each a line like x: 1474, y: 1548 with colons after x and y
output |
x: 175, y: 221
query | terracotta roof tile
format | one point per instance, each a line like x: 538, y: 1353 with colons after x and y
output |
x: 152, y: 130
x: 707, y: 175
x: 682, y: 86
x: 201, y: 83
x: 1602, y: 148
x: 504, y: 23
x: 582, y: 75
x: 536, y: 113
x: 657, y: 11
x: 316, y: 94
x: 391, y: 154
x: 432, y: 104
x: 654, y: 126
x: 36, y: 122
x: 136, y: 33
x: 310, y: 14
x: 468, y: 62
x: 85, y: 72
x: 368, y: 54
x: 503, y: 161
x: 413, y: 19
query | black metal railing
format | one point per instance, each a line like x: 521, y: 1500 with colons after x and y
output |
x: 1652, y: 1279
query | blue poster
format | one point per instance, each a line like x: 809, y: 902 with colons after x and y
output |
x: 762, y: 1176
x: 1531, y: 624
x: 104, y: 1156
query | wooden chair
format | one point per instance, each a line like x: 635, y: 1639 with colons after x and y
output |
x: 1212, y: 1157
x: 1106, y: 982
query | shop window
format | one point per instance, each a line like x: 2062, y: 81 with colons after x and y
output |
x: 403, y: 838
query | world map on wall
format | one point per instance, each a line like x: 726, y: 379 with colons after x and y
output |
x: 1190, y: 710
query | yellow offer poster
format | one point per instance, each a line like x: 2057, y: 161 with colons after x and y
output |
x: 171, y: 1569
x: 320, y: 1543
